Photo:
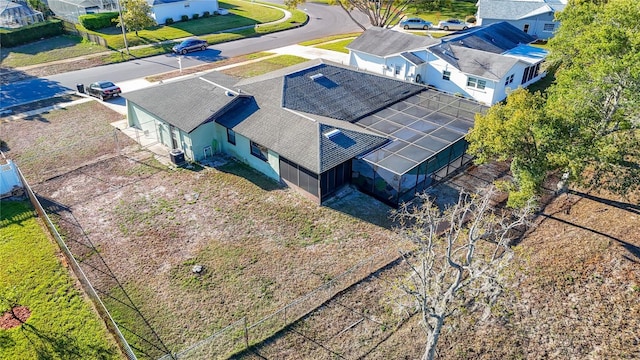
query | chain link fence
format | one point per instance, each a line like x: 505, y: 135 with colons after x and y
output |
x: 239, y: 336
x: 84, y: 281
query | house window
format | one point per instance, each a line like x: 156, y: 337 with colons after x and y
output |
x: 259, y: 151
x: 446, y: 75
x: 397, y: 70
x: 509, y: 80
x: 549, y: 27
x: 231, y: 136
x: 476, y: 83
x: 526, y: 28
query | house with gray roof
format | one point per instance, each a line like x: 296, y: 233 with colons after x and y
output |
x: 391, y: 53
x: 481, y: 63
x: 534, y: 17
x: 315, y: 126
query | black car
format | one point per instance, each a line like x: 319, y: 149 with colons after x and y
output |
x: 190, y: 45
x: 103, y: 90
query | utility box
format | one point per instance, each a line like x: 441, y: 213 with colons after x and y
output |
x: 177, y: 156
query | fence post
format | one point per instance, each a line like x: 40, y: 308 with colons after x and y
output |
x: 246, y: 333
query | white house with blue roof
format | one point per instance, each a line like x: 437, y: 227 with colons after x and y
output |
x: 534, y: 17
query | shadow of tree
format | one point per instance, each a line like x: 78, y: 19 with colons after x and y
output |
x: 50, y: 344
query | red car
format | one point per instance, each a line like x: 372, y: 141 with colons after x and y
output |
x: 103, y: 90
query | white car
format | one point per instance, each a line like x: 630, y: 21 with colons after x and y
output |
x: 453, y: 24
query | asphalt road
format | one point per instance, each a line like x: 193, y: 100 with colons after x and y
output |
x: 324, y: 21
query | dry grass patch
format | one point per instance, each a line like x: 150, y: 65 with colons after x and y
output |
x: 261, y: 246
x: 70, y: 137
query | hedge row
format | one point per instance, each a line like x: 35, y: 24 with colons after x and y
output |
x: 30, y: 33
x: 97, y: 21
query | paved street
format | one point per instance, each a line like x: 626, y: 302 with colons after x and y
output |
x: 324, y: 21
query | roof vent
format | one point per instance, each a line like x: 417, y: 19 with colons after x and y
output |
x: 332, y: 133
x: 316, y: 76
x: 228, y: 93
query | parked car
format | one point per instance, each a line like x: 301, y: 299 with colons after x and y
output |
x: 103, y: 90
x: 453, y: 24
x: 190, y: 45
x: 415, y: 23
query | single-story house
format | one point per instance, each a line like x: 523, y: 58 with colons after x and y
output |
x: 482, y: 63
x: 17, y: 13
x: 161, y: 10
x: 534, y: 17
x: 315, y: 127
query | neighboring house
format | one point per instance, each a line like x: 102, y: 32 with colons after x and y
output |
x: 161, y: 10
x: 482, y: 63
x: 486, y: 63
x: 391, y: 53
x: 315, y: 127
x: 70, y: 10
x: 534, y: 17
x: 15, y: 14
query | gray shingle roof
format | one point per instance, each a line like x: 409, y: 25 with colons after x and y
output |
x: 184, y: 104
x: 342, y: 93
x: 413, y: 58
x: 496, y: 38
x: 475, y: 62
x: 344, y: 145
x: 383, y: 42
x: 294, y: 135
x: 517, y: 9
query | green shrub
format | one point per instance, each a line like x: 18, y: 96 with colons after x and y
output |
x: 30, y: 33
x: 470, y: 19
x: 195, y: 16
x: 206, y: 14
x: 184, y: 18
x: 97, y: 21
x: 169, y: 21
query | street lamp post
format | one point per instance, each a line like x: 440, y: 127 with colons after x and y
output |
x: 124, y: 33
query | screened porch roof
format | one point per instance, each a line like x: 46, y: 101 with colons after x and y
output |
x: 420, y: 127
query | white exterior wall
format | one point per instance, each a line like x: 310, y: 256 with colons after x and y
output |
x: 175, y: 10
x: 386, y: 66
x: 457, y: 84
x: 9, y: 178
x: 536, y: 24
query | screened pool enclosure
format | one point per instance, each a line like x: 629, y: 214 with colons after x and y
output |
x: 427, y: 132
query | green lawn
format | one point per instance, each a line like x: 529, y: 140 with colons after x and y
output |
x: 62, y: 324
x: 340, y: 46
x: 52, y: 49
x: 241, y: 14
x: 264, y: 66
x: 458, y: 9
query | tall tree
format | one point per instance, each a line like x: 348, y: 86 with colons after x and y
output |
x: 457, y: 257
x: 596, y: 94
x: 136, y: 15
x: 589, y: 124
x: 381, y: 13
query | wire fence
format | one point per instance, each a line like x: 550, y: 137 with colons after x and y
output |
x: 239, y: 336
x: 86, y: 284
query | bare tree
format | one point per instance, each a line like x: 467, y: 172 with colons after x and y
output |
x: 381, y: 13
x: 456, y: 256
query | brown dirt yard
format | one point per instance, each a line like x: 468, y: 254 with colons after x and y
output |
x: 139, y: 227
